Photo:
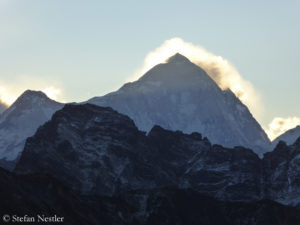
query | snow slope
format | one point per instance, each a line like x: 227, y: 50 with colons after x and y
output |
x: 179, y: 95
x: 20, y: 121
x: 288, y: 137
x: 2, y: 107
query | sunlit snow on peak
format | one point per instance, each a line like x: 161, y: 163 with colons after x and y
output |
x: 220, y: 69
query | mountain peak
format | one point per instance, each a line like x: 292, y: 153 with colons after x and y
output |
x: 20, y: 121
x: 177, y: 58
x: 289, y: 136
x: 28, y: 100
x: 179, y: 95
x: 30, y: 96
x: 33, y: 93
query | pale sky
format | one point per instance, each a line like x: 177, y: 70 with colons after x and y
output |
x: 75, y: 50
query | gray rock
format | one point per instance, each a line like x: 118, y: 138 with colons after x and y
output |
x: 96, y: 150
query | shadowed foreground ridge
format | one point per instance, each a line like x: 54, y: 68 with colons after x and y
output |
x: 41, y: 194
x: 164, y: 177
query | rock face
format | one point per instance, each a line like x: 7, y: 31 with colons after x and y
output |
x: 178, y: 95
x: 20, y: 121
x: 282, y: 173
x: 38, y: 194
x: 288, y: 137
x: 97, y: 151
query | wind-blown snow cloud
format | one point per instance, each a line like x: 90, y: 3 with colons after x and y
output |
x: 9, y: 92
x: 217, y: 67
x: 5, y: 97
x: 280, y: 125
x: 52, y: 92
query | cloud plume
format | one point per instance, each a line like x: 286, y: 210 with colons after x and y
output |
x: 5, y: 97
x: 218, y: 68
x: 280, y: 125
x: 52, y: 92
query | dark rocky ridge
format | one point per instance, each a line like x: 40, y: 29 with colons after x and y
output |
x: 34, y: 194
x: 97, y: 151
x: 282, y: 173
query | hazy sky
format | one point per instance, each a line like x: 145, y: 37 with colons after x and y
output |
x: 87, y: 48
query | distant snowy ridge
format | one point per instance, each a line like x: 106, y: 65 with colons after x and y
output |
x: 20, y: 121
x: 288, y: 137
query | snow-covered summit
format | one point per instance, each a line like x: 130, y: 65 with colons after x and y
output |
x: 178, y: 58
x: 28, y: 101
x: 32, y: 97
x: 177, y: 73
x: 20, y: 121
x: 32, y: 94
x: 179, y: 95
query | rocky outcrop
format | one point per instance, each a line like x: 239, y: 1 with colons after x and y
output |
x: 40, y: 194
x: 97, y: 151
x: 282, y: 173
x: 94, y: 150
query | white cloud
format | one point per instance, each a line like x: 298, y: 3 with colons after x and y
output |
x: 280, y: 125
x: 5, y: 97
x: 220, y: 69
x: 52, y: 92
